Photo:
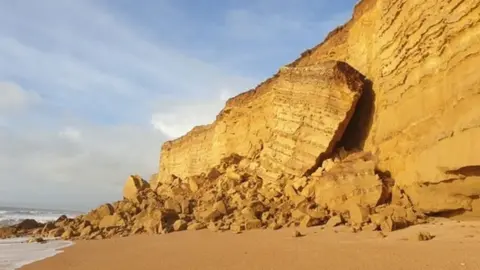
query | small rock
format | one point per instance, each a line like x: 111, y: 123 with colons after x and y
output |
x: 334, y: 221
x: 173, y: 205
x: 56, y: 232
x: 220, y: 207
x: 236, y: 228
x: 67, y: 234
x: 265, y: 217
x: 253, y: 224
x: 37, y: 240
x: 213, y: 227
x: 387, y: 225
x: 424, y: 236
x: 377, y: 218
x: 308, y: 221
x: 193, y: 185
x: 292, y: 194
x: 86, y: 231
x: 28, y: 224
x: 248, y: 213
x: 96, y: 215
x: 179, y: 225
x: 210, y: 215
x: 83, y: 225
x: 381, y: 235
x: 358, y: 214
x: 99, y: 237
x: 196, y: 226
x: 62, y: 218
x: 234, y: 176
x: 317, y: 213
x: 297, y: 234
x: 298, y: 215
x: 7, y: 232
x: 274, y: 226
x: 355, y: 229
x: 112, y: 221
x: 110, y: 233
x: 370, y: 227
x: 186, y: 207
x: 258, y: 208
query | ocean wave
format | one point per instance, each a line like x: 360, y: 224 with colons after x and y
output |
x: 14, y: 216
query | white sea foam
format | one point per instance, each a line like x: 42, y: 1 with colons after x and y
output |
x: 10, y: 216
x: 15, y: 253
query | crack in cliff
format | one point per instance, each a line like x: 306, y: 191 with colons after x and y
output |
x: 449, y: 213
x: 358, y: 125
x: 466, y: 171
x: 457, y: 175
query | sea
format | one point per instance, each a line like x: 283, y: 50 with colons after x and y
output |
x: 15, y: 252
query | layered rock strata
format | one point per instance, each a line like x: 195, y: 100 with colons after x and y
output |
x: 290, y: 123
x: 419, y: 114
x: 275, y: 155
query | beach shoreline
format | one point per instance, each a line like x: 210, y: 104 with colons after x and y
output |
x: 17, y: 252
x: 455, y: 246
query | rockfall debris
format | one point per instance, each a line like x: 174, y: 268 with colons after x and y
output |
x: 234, y: 197
x: 376, y: 128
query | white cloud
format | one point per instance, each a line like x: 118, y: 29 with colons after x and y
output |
x: 13, y: 98
x: 102, y: 83
x: 180, y: 119
x: 71, y: 134
x: 86, y: 98
x: 99, y: 62
x: 79, y: 173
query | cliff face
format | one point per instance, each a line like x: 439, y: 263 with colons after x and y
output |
x: 287, y: 123
x: 420, y: 115
x: 421, y: 57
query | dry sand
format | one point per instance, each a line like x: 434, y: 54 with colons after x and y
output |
x: 456, y: 246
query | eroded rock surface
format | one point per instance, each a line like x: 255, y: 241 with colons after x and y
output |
x: 418, y: 114
x: 376, y: 128
x: 287, y: 124
x: 422, y: 116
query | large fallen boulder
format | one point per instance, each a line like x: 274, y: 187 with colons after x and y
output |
x: 351, y: 181
x: 294, y: 121
x: 133, y: 186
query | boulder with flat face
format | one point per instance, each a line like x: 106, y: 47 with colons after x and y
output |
x: 351, y: 181
x: 294, y: 120
x: 96, y: 215
x: 133, y: 186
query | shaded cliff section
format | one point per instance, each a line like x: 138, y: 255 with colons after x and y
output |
x: 418, y: 112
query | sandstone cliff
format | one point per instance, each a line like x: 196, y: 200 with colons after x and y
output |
x: 287, y: 123
x: 376, y: 128
x: 421, y: 57
x: 420, y: 115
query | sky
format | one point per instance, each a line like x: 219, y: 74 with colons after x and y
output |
x: 90, y: 89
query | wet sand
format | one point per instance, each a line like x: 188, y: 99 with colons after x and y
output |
x: 456, y: 246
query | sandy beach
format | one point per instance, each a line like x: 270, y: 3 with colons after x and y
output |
x: 455, y: 246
